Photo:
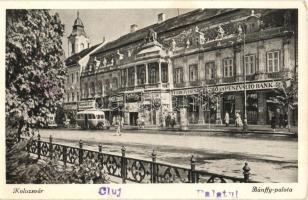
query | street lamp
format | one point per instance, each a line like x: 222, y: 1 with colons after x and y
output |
x: 245, y: 125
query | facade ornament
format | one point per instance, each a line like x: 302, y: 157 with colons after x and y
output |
x: 201, y: 38
x: 221, y: 33
x: 120, y: 55
x: 252, y: 13
x: 187, y: 43
x: 152, y: 36
x: 173, y: 45
x: 97, y: 62
x: 104, y: 62
x: 240, y: 32
x: 129, y: 53
x: 112, y: 61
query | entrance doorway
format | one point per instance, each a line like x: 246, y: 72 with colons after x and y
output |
x: 133, y: 118
x: 229, y: 106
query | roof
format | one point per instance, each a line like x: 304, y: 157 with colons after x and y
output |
x: 172, y: 23
x: 78, y: 56
x: 78, y: 22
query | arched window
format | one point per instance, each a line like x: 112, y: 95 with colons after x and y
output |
x: 141, y: 74
x: 81, y: 46
x: 153, y: 73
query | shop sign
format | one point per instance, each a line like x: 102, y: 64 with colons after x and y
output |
x: 115, y: 98
x: 83, y: 105
x: 70, y: 106
x: 133, y: 97
x: 131, y: 107
x: 232, y: 88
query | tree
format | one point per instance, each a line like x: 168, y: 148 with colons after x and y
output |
x: 286, y: 96
x: 34, y: 68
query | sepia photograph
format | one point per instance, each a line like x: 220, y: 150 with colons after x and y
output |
x: 174, y: 95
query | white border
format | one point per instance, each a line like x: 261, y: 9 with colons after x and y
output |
x: 164, y: 191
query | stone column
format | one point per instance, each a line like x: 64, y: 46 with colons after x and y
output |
x: 170, y: 74
x: 219, y: 70
x: 218, y: 110
x: 146, y: 74
x: 238, y: 63
x: 126, y: 83
x: 261, y: 61
x: 135, y: 68
x: 287, y: 66
x: 159, y: 72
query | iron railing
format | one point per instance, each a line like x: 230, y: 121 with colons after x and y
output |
x: 126, y: 168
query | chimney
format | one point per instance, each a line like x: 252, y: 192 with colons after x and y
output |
x: 133, y: 28
x: 161, y: 17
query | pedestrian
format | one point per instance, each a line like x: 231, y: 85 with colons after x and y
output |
x: 285, y: 119
x: 142, y: 122
x: 172, y: 123
x: 138, y: 123
x: 238, y: 120
x: 273, y: 122
x: 227, y: 119
x: 281, y: 120
x: 168, y: 119
x: 118, y: 132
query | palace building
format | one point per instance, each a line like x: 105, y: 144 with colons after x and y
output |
x: 176, y: 64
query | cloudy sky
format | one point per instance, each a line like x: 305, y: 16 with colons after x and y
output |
x: 111, y: 23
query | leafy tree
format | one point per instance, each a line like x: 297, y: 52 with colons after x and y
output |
x: 286, y: 96
x: 34, y: 68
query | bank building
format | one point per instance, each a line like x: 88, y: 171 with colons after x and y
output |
x: 172, y: 67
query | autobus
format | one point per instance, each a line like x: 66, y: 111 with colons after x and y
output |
x: 92, y: 119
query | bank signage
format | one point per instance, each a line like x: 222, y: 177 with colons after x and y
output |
x: 231, y: 88
x: 87, y: 104
x: 133, y: 97
x: 116, y: 98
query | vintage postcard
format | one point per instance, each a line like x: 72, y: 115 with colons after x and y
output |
x: 154, y: 100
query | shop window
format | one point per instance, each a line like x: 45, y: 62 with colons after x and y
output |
x: 178, y: 75
x: 164, y: 72
x: 250, y: 64
x: 228, y: 67
x: 209, y: 70
x: 141, y: 74
x: 193, y: 73
x: 273, y: 61
x: 131, y: 76
x: 153, y: 73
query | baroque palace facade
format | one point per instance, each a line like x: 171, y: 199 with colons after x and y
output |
x: 165, y: 67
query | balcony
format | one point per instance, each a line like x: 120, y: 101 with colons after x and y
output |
x: 228, y: 79
x: 274, y: 75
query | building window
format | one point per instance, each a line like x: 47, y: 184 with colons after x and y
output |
x: 153, y: 73
x: 178, y: 75
x: 92, y: 89
x: 228, y: 67
x: 77, y: 76
x: 100, y: 88
x: 193, y: 73
x: 73, y: 96
x: 68, y: 97
x: 107, y: 85
x: 164, y: 72
x: 273, y: 61
x: 131, y: 76
x: 123, y: 78
x: 86, y: 91
x: 72, y: 77
x: 209, y: 70
x: 141, y: 74
x: 77, y: 96
x: 250, y: 64
x: 114, y: 83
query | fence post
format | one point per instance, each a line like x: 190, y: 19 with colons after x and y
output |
x: 246, y: 172
x: 50, y: 147
x: 154, y: 168
x: 123, y: 165
x: 80, y: 152
x: 38, y: 146
x: 192, y: 169
x: 64, y: 155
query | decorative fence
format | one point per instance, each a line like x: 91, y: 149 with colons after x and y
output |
x: 130, y: 169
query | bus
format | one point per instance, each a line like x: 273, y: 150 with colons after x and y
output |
x: 92, y: 119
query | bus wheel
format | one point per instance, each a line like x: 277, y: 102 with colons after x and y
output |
x: 100, y: 126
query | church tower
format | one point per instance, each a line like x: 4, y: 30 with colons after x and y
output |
x: 78, y: 39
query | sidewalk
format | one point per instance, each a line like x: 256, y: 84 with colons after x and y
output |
x: 259, y: 129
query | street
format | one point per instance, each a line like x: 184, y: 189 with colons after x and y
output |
x: 269, y: 160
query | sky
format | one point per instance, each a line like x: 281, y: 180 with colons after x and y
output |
x: 111, y: 23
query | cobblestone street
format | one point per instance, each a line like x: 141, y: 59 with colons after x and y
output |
x: 269, y: 160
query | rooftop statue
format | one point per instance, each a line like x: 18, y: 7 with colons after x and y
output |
x: 221, y: 33
x: 152, y: 36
